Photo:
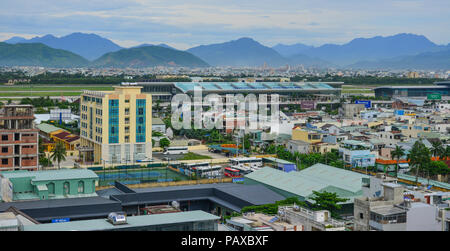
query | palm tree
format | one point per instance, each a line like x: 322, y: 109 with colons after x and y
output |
x: 59, y: 153
x: 397, y: 154
x: 419, y: 157
x: 437, y: 148
x: 445, y: 154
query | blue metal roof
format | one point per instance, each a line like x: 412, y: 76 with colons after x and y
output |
x: 214, y: 86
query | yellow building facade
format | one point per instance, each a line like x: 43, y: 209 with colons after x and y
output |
x: 116, y: 126
x: 306, y: 135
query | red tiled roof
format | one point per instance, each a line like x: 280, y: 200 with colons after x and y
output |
x: 61, y: 135
x: 72, y: 138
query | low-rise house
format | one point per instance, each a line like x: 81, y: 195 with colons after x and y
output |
x: 298, y: 146
x: 388, y: 206
x: 49, y: 184
x: 357, y: 153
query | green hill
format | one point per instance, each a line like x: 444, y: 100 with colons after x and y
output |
x: 148, y: 56
x: 36, y: 54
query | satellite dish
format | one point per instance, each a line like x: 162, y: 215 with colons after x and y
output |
x: 175, y: 204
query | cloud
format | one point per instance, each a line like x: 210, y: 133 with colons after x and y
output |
x: 192, y: 22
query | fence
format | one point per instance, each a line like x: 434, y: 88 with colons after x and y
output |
x: 173, y: 183
x: 139, y: 175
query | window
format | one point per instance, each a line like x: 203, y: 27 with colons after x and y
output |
x: 80, y: 187
x: 361, y: 215
x: 66, y: 187
x: 4, y: 149
x: 4, y: 161
x: 4, y: 137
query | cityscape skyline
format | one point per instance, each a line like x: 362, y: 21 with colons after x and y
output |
x: 184, y: 25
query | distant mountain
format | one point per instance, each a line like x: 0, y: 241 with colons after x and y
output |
x: 424, y: 61
x: 38, y: 55
x: 149, y: 56
x: 15, y: 40
x: 374, y: 48
x: 162, y: 45
x: 241, y: 52
x: 291, y: 50
x: 90, y: 46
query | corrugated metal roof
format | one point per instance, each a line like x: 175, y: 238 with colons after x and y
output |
x: 63, y: 174
x: 318, y: 177
x: 48, y: 128
x: 133, y: 221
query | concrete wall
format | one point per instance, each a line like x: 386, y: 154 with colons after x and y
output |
x: 422, y: 218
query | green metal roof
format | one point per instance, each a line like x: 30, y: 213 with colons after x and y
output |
x: 63, y: 174
x: 132, y: 221
x: 318, y: 177
x: 47, y: 128
x: 281, y: 161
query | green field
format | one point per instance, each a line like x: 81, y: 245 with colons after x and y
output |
x: 27, y: 88
x: 47, y: 90
x: 356, y: 89
x: 38, y: 94
x: 194, y: 156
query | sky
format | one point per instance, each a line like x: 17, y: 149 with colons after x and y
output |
x: 187, y: 23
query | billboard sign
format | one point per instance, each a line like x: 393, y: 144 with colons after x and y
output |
x: 60, y: 220
x: 308, y: 105
x: 238, y: 180
x: 434, y: 96
x: 366, y: 103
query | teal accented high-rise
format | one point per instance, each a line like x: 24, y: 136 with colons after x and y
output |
x: 140, y: 120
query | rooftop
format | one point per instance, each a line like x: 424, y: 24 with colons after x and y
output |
x: 47, y: 128
x: 63, y: 174
x: 132, y: 221
x: 318, y: 177
x: 233, y: 86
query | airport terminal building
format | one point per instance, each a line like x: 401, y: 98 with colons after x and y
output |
x: 164, y: 91
x: 440, y: 89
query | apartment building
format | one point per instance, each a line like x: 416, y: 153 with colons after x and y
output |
x: 115, y: 126
x: 19, y: 138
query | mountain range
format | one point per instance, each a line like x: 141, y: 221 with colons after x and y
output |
x: 89, y: 46
x: 401, y: 51
x: 148, y: 56
x: 38, y: 55
x: 241, y: 52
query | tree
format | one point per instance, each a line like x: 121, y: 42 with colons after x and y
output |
x: 438, y: 167
x: 59, y: 153
x: 419, y: 157
x: 397, y: 154
x: 164, y: 142
x: 445, y: 154
x: 327, y: 201
x: 437, y: 148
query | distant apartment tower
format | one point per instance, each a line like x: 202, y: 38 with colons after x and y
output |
x: 19, y: 138
x: 116, y: 126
